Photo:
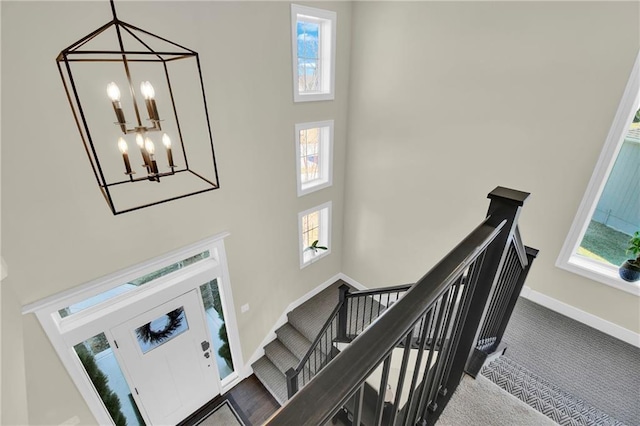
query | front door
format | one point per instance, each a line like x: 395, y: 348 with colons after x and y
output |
x: 168, y: 357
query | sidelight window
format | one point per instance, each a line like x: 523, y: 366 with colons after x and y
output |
x: 214, y: 309
x: 103, y: 370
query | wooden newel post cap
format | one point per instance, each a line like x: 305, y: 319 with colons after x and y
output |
x: 508, y: 195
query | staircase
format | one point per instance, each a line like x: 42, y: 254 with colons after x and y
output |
x: 294, y: 340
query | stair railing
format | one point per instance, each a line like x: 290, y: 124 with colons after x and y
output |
x: 435, y: 325
x: 361, y: 308
x: 318, y: 355
x: 503, y: 299
x: 354, y: 312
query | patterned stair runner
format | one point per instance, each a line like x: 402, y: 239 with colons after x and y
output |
x: 559, y: 406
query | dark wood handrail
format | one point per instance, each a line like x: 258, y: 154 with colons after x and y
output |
x: 332, y: 387
x: 384, y: 290
x: 315, y: 343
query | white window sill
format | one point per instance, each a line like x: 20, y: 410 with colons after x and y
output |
x: 313, y: 257
x: 313, y: 96
x: 312, y: 186
x: 599, y: 272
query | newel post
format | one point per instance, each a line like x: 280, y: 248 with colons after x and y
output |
x: 505, y: 205
x: 342, y: 314
x: 292, y: 382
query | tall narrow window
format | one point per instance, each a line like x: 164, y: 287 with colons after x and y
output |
x: 313, y: 40
x: 315, y: 233
x: 610, y: 211
x: 314, y: 147
x: 212, y: 301
x: 103, y: 370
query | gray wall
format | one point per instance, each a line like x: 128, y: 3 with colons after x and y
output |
x: 58, y: 232
x: 435, y: 90
x: 449, y: 99
x: 13, y: 409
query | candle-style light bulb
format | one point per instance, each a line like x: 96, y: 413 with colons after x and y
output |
x: 122, y: 146
x: 151, y: 149
x: 143, y: 151
x: 113, y: 92
x: 147, y: 90
x: 166, y: 141
x: 149, y: 99
x: 149, y: 146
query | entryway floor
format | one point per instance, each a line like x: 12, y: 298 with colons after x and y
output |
x: 251, y: 400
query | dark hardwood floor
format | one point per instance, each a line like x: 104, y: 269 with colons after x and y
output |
x: 251, y: 400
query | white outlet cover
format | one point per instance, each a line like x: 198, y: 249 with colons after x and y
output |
x: 244, y: 308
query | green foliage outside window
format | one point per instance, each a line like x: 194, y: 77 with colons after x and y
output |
x: 225, y: 349
x: 101, y: 383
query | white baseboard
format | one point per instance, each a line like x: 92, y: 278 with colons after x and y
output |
x: 352, y: 282
x: 282, y: 320
x: 586, y: 318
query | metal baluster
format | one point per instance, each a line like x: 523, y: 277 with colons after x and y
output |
x: 428, y: 371
x: 332, y: 334
x: 484, y: 333
x: 403, y: 372
x: 304, y: 371
x: 371, y: 311
x: 357, y: 406
x: 443, y: 354
x: 516, y: 270
x: 357, y: 315
x: 315, y: 361
x: 409, y: 418
x: 384, y: 381
x: 450, y: 330
x: 434, y: 382
x: 349, y: 333
x: 469, y: 284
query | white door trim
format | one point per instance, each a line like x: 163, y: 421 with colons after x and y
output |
x: 64, y: 333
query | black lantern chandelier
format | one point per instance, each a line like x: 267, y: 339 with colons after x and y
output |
x: 162, y: 102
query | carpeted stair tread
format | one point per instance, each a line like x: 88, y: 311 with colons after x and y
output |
x: 293, y: 340
x: 558, y: 405
x: 280, y: 356
x: 272, y: 378
x: 589, y: 364
x: 309, y: 317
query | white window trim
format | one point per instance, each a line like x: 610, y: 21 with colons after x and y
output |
x: 66, y: 332
x: 327, y: 51
x: 325, y: 231
x: 567, y: 259
x: 325, y: 154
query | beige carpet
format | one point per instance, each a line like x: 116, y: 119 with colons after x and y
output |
x: 481, y: 402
